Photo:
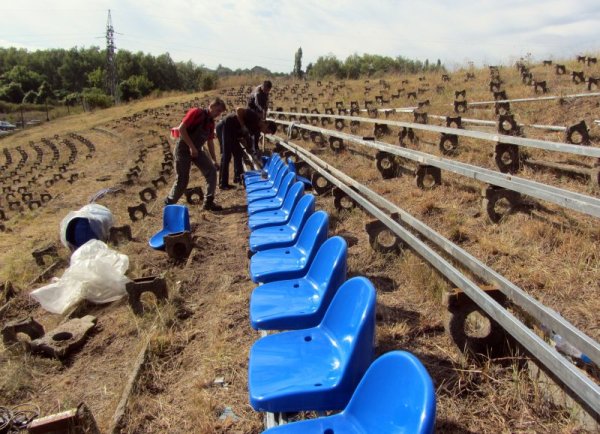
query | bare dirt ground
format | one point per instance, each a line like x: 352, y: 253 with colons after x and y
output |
x: 203, y: 333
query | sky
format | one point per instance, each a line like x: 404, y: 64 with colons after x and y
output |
x: 245, y: 33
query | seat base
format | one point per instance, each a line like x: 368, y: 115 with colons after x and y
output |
x: 285, y: 305
x: 296, y: 371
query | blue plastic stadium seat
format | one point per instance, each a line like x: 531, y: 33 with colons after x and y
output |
x: 270, y: 193
x: 395, y: 396
x: 301, y: 303
x: 316, y: 369
x: 302, y: 179
x: 266, y: 177
x: 266, y: 162
x: 271, y: 203
x: 280, y: 215
x: 260, y: 184
x: 291, y: 262
x: 281, y: 235
x: 265, y: 171
x: 176, y: 219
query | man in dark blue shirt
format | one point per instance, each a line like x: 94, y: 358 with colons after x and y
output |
x: 230, y: 130
x: 259, y: 102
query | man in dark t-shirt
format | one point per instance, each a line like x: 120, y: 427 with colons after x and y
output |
x: 259, y: 98
x: 230, y: 130
x: 258, y: 101
x: 196, y: 128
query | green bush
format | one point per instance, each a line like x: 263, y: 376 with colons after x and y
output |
x: 13, y: 92
x: 208, y: 82
x: 72, y: 99
x: 95, y: 98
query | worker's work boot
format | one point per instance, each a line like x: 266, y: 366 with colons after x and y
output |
x: 210, y: 205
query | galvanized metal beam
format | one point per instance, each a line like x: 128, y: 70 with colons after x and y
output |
x: 568, y: 199
x: 537, y: 310
x: 541, y: 98
x: 576, y: 380
x: 587, y: 151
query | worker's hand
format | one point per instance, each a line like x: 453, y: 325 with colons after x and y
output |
x: 193, y: 152
x: 245, y: 131
x: 217, y: 165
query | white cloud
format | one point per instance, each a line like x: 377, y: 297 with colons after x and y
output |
x: 244, y: 33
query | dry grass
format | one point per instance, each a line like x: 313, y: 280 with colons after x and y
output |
x: 203, y: 332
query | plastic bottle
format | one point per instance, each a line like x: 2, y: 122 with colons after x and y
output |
x: 566, y: 348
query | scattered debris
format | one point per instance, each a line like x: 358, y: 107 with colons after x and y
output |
x: 154, y: 284
x: 27, y: 326
x: 64, y: 339
x: 228, y: 414
x: 74, y: 421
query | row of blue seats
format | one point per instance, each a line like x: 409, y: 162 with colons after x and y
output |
x: 322, y: 362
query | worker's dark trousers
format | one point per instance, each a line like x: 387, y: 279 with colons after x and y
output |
x: 183, y: 163
x: 228, y: 133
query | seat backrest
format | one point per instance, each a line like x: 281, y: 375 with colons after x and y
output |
x: 396, y: 394
x: 285, y: 185
x: 291, y: 165
x: 176, y: 218
x: 280, y: 173
x: 292, y: 196
x: 303, y: 209
x: 272, y: 166
x: 350, y: 320
x: 274, y: 163
x: 328, y: 270
x: 313, y: 234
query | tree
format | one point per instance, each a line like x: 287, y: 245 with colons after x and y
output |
x: 26, y: 78
x: 44, y: 94
x: 96, y: 78
x: 208, y: 81
x: 30, y: 97
x: 129, y: 64
x: 128, y: 91
x: 298, y: 64
x: 352, y: 66
x: 12, y: 93
x: 72, y: 99
x: 309, y: 68
x: 135, y: 87
x: 189, y: 75
x: 142, y: 84
x: 164, y: 75
x: 328, y: 66
x: 74, y: 70
x: 96, y: 98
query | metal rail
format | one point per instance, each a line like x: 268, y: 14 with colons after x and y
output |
x: 495, y: 123
x: 467, y: 120
x: 568, y: 199
x: 543, y: 314
x: 576, y: 380
x: 587, y: 151
x: 541, y: 98
x: 480, y: 103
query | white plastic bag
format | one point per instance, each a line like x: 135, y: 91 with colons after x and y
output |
x: 96, y: 274
x: 100, y: 218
